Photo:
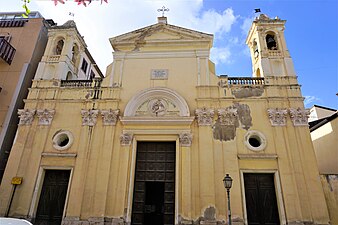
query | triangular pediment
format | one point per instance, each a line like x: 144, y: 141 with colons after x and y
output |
x: 160, y: 33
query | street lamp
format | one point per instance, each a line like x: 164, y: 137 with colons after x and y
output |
x: 227, y: 184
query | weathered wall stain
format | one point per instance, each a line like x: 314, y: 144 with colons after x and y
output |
x: 230, y: 119
x: 245, y: 92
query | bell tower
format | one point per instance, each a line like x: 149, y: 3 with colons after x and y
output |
x: 63, y: 53
x: 269, y: 53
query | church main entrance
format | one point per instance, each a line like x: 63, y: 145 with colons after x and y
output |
x: 154, y: 189
x: 260, y: 196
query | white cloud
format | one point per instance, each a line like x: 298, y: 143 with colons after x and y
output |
x: 220, y: 55
x: 310, y: 99
x: 97, y: 23
x: 246, y: 25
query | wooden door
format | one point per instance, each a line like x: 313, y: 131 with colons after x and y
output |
x: 154, y: 186
x: 52, y: 198
x: 260, y: 196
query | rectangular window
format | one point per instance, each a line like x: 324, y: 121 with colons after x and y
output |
x: 92, y: 74
x: 84, y: 66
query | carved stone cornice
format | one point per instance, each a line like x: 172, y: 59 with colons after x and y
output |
x: 126, y: 138
x: 299, y: 116
x: 45, y: 116
x: 204, y: 116
x: 89, y: 117
x: 110, y: 116
x: 227, y: 116
x: 277, y: 116
x: 185, y: 139
x: 26, y: 116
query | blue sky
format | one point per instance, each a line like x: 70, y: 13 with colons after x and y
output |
x: 311, y: 32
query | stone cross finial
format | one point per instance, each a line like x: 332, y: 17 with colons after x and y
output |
x: 163, y: 10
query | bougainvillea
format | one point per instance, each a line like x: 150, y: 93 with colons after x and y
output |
x: 79, y: 2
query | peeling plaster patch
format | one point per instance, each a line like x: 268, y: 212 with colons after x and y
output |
x: 224, y: 132
x: 227, y: 132
x: 243, y: 112
x: 210, y: 213
x: 245, y: 92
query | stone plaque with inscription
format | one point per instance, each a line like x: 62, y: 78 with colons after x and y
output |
x: 159, y: 74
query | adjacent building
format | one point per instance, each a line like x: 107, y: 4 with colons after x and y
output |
x: 22, y: 43
x: 152, y: 141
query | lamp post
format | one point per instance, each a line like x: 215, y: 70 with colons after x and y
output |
x: 227, y: 181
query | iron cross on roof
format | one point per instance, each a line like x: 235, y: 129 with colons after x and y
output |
x: 163, y: 10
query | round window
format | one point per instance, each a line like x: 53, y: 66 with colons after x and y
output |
x: 62, y: 140
x: 255, y: 140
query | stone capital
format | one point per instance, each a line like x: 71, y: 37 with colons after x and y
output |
x: 227, y: 116
x: 89, y: 117
x: 110, y: 116
x: 277, y: 116
x: 45, y: 116
x: 26, y: 116
x: 186, y: 139
x: 299, y: 116
x: 126, y: 138
x: 204, y: 116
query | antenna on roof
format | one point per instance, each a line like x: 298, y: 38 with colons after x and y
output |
x: 257, y: 10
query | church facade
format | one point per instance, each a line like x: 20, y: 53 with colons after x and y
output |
x: 152, y: 141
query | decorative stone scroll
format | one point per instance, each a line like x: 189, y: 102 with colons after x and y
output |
x: 110, y: 116
x: 186, y: 139
x: 277, y: 116
x: 89, y: 117
x: 26, y: 116
x: 126, y: 138
x: 299, y: 116
x: 204, y: 116
x: 45, y: 116
x: 227, y: 116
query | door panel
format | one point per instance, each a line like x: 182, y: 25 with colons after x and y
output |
x: 154, y: 186
x: 260, y: 196
x: 52, y: 198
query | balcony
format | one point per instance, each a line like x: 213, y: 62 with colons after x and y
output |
x: 7, y: 51
x: 95, y: 83
x: 248, y: 81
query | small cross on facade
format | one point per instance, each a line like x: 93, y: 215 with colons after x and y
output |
x: 163, y: 10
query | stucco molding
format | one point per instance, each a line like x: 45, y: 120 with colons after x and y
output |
x: 110, y: 116
x: 126, y: 138
x: 89, y: 117
x: 277, y: 116
x: 185, y: 139
x: 45, y: 116
x: 299, y: 116
x: 204, y: 116
x: 227, y: 116
x: 158, y: 93
x: 26, y: 116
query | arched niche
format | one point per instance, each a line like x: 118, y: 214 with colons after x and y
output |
x: 75, y: 54
x: 271, y: 41
x: 157, y: 102
x: 59, y: 44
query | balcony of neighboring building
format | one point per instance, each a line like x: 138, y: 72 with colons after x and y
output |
x: 7, y: 51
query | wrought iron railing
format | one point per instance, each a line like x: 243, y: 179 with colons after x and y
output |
x: 7, y: 51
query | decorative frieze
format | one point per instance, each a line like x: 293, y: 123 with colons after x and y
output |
x: 26, y: 116
x: 204, y: 116
x: 110, y: 116
x: 299, y: 116
x: 89, y: 117
x: 45, y: 116
x: 126, y: 138
x: 277, y: 116
x: 227, y: 116
x: 186, y: 139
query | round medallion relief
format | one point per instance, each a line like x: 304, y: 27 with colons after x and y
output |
x: 255, y: 140
x: 62, y: 140
x: 157, y: 107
